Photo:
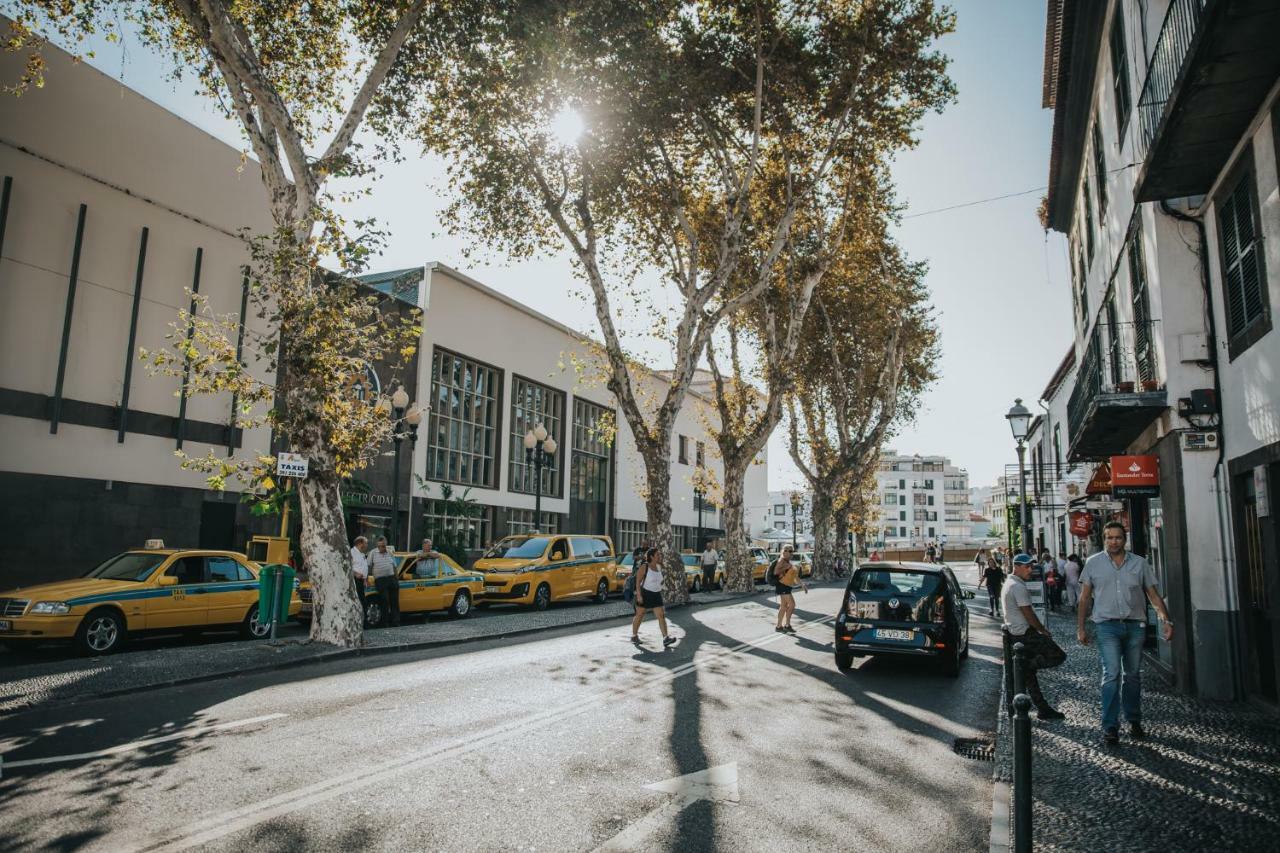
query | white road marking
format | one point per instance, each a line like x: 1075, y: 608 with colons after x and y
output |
x: 235, y: 820
x: 718, y: 784
x: 136, y: 744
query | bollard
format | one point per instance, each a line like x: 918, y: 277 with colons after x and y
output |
x: 1022, y: 773
x: 1019, y: 669
x: 275, y: 603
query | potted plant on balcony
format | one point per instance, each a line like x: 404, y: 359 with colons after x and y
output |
x: 1151, y: 385
x: 1124, y: 387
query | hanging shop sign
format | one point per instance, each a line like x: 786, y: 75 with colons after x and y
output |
x: 1081, y: 524
x: 1261, y: 500
x: 1072, y: 488
x: 1100, y: 484
x: 1135, y: 476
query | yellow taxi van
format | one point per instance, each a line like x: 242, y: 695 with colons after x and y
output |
x: 539, y: 568
x: 153, y: 590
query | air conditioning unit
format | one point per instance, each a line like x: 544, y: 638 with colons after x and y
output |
x: 1199, y: 441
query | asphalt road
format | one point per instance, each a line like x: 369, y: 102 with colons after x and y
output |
x: 539, y: 743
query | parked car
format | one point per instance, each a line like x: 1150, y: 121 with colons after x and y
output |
x: 804, y: 562
x: 147, y: 590
x: 427, y: 584
x: 539, y: 568
x: 693, y: 572
x: 906, y: 609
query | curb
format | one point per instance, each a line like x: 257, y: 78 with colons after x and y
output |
x: 337, y: 654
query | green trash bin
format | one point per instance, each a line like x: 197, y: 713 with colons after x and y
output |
x: 267, y: 602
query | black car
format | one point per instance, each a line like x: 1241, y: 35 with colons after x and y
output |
x: 912, y: 609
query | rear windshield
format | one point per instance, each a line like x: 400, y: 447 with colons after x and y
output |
x: 518, y: 548
x: 886, y: 582
x: 691, y: 559
x: 128, y: 567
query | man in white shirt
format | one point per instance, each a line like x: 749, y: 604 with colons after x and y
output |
x: 1021, y: 625
x: 359, y: 566
x: 382, y: 562
x: 709, y: 559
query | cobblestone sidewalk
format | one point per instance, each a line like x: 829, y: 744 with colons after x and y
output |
x: 1206, y: 778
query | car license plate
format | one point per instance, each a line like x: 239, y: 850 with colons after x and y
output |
x: 894, y: 634
x: 490, y: 588
x: 4, y: 625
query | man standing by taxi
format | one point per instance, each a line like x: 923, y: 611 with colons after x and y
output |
x: 709, y: 559
x: 359, y: 566
x: 382, y: 563
x: 1115, y: 586
x: 1021, y: 625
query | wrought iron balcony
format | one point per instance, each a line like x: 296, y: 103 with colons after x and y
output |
x: 1210, y: 71
x: 1119, y: 390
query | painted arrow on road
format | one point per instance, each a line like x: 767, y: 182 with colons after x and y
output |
x: 718, y: 784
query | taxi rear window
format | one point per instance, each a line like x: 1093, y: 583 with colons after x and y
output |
x: 873, y: 582
x: 127, y: 567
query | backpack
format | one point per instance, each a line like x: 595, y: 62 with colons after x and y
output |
x: 629, y: 588
x: 769, y: 575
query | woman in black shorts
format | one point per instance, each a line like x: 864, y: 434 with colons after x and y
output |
x: 786, y: 577
x: 649, y: 596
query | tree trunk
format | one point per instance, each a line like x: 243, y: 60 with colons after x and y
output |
x: 336, y: 619
x: 657, y: 466
x: 738, y: 564
x: 842, y: 537
x: 824, y: 545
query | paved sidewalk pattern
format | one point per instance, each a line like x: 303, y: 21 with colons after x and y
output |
x: 1206, y: 778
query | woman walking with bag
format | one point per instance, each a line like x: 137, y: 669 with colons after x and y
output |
x: 649, y: 596
x: 785, y: 578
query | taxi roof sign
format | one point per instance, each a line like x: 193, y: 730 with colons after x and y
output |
x: 153, y: 545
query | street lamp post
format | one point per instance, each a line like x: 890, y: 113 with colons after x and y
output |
x: 404, y: 424
x: 1019, y: 418
x: 795, y: 509
x: 539, y: 448
x: 698, y: 496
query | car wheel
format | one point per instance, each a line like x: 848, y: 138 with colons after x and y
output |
x: 374, y: 613
x: 542, y: 597
x: 461, y: 604
x: 101, y: 633
x: 252, y: 628
x: 951, y: 662
x: 602, y: 591
x: 844, y: 661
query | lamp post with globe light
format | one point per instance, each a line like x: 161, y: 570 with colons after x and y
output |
x: 405, y: 417
x: 539, y: 448
x: 795, y: 509
x: 1019, y: 418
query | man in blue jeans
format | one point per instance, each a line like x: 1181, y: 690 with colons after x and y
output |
x: 1114, y: 588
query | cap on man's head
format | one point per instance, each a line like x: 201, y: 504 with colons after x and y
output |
x: 1023, y: 560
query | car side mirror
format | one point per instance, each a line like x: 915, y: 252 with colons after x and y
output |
x: 167, y: 580
x: 556, y: 556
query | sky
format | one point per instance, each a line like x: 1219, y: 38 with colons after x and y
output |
x: 993, y: 273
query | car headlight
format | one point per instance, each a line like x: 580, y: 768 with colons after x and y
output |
x: 51, y: 608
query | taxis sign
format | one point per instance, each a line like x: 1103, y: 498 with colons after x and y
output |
x: 291, y: 465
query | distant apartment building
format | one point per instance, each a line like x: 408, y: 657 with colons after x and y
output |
x: 922, y: 499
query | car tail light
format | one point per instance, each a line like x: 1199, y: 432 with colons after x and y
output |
x: 940, y: 610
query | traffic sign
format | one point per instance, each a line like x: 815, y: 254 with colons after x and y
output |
x: 291, y: 465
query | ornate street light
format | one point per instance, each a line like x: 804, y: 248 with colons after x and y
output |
x: 539, y: 448
x: 700, y: 478
x: 405, y: 418
x: 1019, y: 418
x: 795, y: 508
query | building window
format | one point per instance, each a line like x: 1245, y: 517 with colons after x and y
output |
x: 589, y: 467
x: 521, y: 521
x: 931, y: 532
x: 902, y: 515
x: 902, y: 531
x: 631, y: 535
x: 1143, y: 340
x: 1243, y: 273
x: 462, y: 430
x: 779, y: 525
x: 683, y: 454
x: 700, y: 454
x: 930, y: 501
x: 1100, y: 169
x: 902, y: 484
x: 1119, y: 71
x: 779, y: 509
x: 1088, y: 221
x: 533, y: 404
x: 476, y: 532
x: 1083, y: 286
x: 928, y: 484
x: 1057, y: 451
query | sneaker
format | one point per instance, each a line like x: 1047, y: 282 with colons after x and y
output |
x: 780, y: 630
x: 1111, y: 737
x: 1047, y: 713
x: 1136, y: 731
x: 787, y: 629
x: 635, y: 640
x: 667, y: 642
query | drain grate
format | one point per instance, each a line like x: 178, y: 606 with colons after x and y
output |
x: 977, y: 748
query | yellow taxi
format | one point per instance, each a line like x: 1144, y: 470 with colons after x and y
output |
x: 693, y: 572
x: 427, y: 584
x: 539, y: 568
x: 152, y: 589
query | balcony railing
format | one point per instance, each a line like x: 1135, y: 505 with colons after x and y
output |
x: 1118, y: 391
x: 1176, y: 34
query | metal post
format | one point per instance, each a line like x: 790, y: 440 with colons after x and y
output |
x: 1022, y: 498
x: 275, y: 602
x: 697, y: 496
x: 537, y: 487
x: 395, y: 489
x: 1019, y: 672
x: 1022, y: 773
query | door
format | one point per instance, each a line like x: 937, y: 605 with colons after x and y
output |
x: 420, y: 586
x: 217, y: 526
x: 560, y: 573
x: 584, y: 569
x: 183, y: 604
x: 230, y: 590
x: 1258, y: 582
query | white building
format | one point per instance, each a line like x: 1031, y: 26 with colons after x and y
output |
x: 1163, y: 176
x: 922, y: 499
x: 776, y: 515
x: 87, y: 463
